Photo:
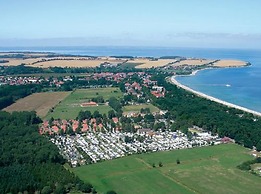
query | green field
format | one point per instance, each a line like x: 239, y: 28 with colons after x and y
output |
x: 137, y: 108
x: 70, y: 106
x: 202, y: 170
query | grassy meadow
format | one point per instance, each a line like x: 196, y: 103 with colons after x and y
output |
x: 71, y: 106
x: 201, y: 170
x: 137, y: 108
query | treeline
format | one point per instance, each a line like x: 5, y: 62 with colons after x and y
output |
x: 23, y: 69
x: 116, y: 105
x: 187, y: 109
x: 76, y: 83
x: 20, y: 69
x: 30, y: 162
x: 247, y: 165
x: 9, y: 93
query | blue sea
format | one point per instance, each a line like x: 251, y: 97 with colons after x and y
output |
x: 245, y: 82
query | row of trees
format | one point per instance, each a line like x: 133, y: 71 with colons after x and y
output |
x: 23, y: 69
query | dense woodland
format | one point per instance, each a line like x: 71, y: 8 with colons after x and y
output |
x: 30, y: 162
x: 188, y: 110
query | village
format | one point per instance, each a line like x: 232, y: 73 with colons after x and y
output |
x: 92, y: 147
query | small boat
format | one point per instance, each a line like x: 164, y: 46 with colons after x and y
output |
x: 228, y: 85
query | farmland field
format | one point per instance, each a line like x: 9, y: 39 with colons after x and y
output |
x: 146, y: 63
x: 41, y: 60
x: 137, y: 108
x: 202, y: 170
x: 39, y: 102
x: 71, y: 106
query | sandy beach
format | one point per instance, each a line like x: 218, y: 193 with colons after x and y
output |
x: 174, y: 81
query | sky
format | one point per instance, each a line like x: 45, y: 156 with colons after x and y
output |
x: 163, y: 23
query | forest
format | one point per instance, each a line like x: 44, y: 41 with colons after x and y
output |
x: 29, y: 162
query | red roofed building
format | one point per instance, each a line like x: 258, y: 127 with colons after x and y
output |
x: 115, y: 119
x: 226, y: 140
x: 75, y: 125
x: 93, y: 120
x: 100, y: 126
x: 89, y: 104
x: 157, y: 94
x: 85, y: 127
x: 55, y: 129
x: 64, y: 127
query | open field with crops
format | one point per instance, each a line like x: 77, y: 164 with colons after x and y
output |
x: 201, y: 170
x: 71, y: 106
x: 193, y: 62
x: 229, y: 63
x: 39, y: 102
x: 147, y: 63
x: 45, y: 62
x: 75, y: 62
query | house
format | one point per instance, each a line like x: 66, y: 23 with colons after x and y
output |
x: 115, y: 119
x: 91, y: 103
x: 226, y: 140
x: 84, y: 127
x: 55, y: 129
x: 157, y: 94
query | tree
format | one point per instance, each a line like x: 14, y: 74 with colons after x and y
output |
x: 258, y: 146
x: 111, y: 114
x: 160, y: 164
x: 98, y: 99
x: 115, y: 104
x: 59, y: 189
x: 111, y: 192
x: 94, y: 191
x: 149, y: 118
x: 86, y: 187
x: 84, y: 115
x: 78, y: 129
x: 46, y: 190
x: 51, y: 121
x: 178, y: 161
x: 97, y: 114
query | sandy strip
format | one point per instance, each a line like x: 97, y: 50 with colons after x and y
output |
x: 174, y: 81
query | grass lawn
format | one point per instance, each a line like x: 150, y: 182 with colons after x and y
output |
x: 137, y: 108
x: 70, y: 106
x: 202, y: 170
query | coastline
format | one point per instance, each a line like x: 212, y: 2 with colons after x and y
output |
x: 211, y: 98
